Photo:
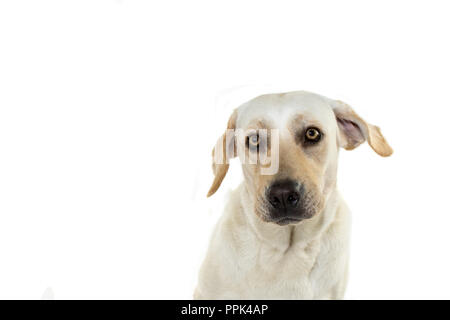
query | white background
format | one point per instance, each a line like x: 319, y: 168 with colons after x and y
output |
x: 109, y: 111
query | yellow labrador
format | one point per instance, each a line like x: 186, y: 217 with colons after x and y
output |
x: 285, y: 230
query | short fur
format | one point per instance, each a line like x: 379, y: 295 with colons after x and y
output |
x: 249, y: 256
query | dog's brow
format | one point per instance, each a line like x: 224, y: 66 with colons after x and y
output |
x: 258, y: 124
x: 299, y: 121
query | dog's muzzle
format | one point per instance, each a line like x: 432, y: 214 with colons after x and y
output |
x: 286, y: 198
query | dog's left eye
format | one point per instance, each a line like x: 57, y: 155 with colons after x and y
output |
x: 312, y: 135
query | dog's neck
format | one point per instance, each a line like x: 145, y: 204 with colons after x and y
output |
x: 283, y: 237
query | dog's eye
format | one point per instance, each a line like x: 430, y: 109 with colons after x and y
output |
x: 253, y: 141
x: 312, y: 135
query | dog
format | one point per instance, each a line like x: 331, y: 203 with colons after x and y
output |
x: 284, y: 234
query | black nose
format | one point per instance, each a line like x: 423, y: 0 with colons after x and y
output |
x: 284, y: 195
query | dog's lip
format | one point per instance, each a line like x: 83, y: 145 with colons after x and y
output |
x: 287, y: 220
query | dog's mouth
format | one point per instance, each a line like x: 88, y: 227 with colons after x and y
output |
x: 283, y: 219
x: 286, y: 221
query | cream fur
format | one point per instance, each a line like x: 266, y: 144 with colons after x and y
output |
x: 252, y: 259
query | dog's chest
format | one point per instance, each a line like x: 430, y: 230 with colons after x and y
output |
x: 270, y: 272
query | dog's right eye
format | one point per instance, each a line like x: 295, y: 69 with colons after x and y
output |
x: 253, y: 141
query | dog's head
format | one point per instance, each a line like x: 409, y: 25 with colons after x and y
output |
x: 288, y: 145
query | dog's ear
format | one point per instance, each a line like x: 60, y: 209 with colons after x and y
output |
x: 354, y: 130
x: 224, y: 150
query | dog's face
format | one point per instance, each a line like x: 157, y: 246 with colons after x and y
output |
x: 306, y: 149
x: 288, y: 145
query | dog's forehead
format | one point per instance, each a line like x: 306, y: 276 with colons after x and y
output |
x: 278, y: 109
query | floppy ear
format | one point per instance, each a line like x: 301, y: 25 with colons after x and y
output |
x: 224, y: 150
x: 354, y: 130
